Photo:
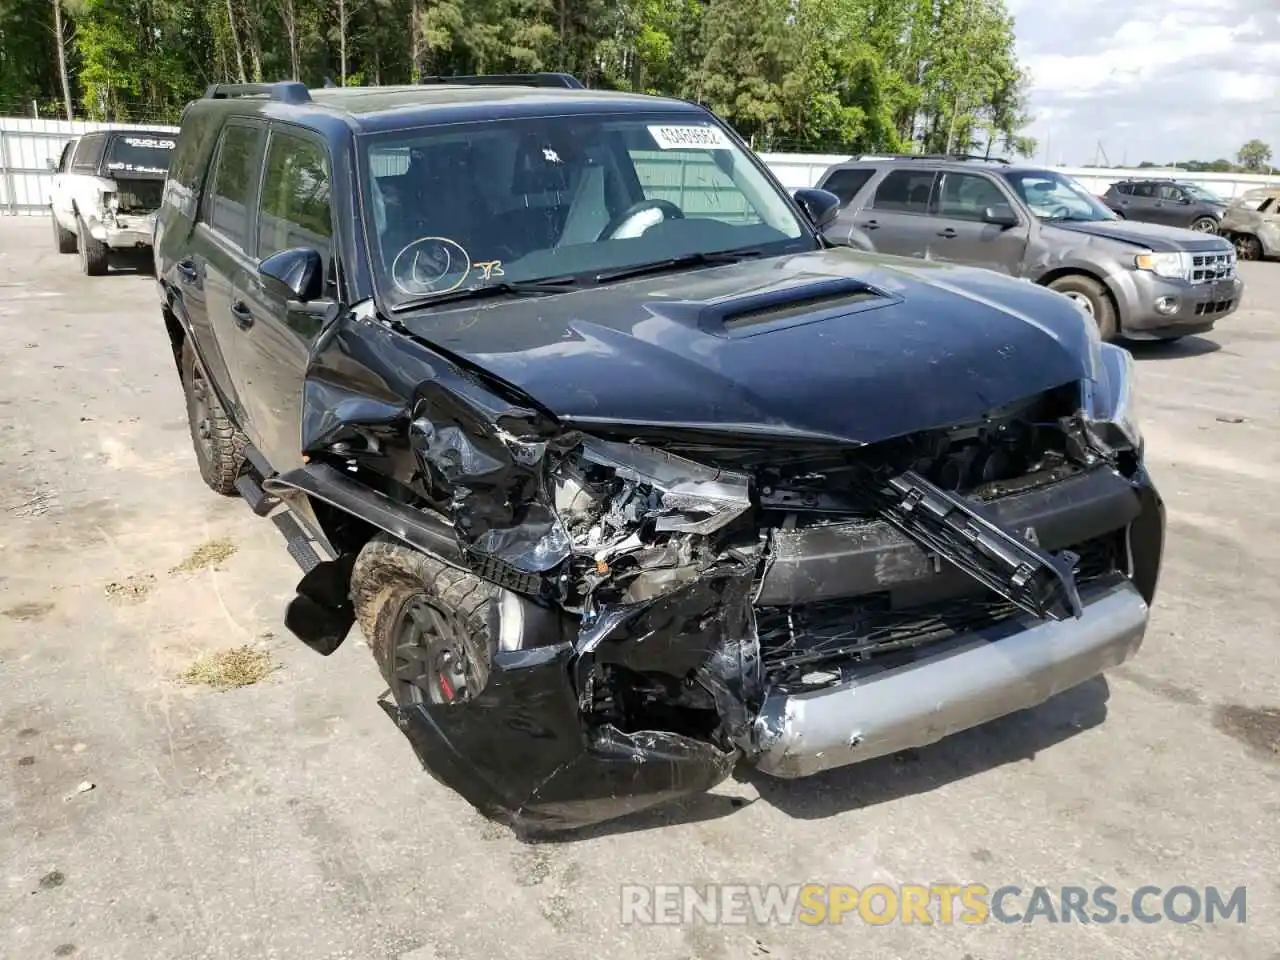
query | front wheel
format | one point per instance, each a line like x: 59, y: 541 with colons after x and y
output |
x: 93, y: 253
x: 426, y: 623
x: 1248, y: 247
x: 64, y: 240
x: 1093, y: 298
x: 1205, y: 225
x: 218, y: 442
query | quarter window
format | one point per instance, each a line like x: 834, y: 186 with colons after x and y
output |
x: 966, y: 196
x: 294, y: 210
x: 230, y: 195
x: 845, y: 184
x: 905, y: 191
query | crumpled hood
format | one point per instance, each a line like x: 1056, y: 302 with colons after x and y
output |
x: 1149, y: 236
x: 834, y: 343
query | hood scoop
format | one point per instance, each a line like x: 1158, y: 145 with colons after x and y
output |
x: 754, y: 314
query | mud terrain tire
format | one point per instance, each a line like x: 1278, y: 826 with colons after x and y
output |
x: 391, y: 585
x: 218, y: 442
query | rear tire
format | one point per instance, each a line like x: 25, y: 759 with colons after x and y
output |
x: 427, y: 623
x: 218, y: 442
x: 1204, y: 225
x: 1093, y: 296
x: 1247, y: 247
x: 93, y: 253
x: 64, y: 240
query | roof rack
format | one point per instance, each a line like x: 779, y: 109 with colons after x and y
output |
x: 285, y: 91
x: 513, y: 80
x: 933, y: 156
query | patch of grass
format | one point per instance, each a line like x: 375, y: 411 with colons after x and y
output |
x: 227, y: 669
x: 206, y: 555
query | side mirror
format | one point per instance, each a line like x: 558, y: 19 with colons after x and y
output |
x: 1184, y: 199
x: 294, y: 274
x: 1001, y: 215
x: 821, y: 206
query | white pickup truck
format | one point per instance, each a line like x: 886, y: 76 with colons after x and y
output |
x: 107, y: 187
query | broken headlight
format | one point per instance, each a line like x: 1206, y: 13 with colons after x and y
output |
x: 641, y: 518
x: 1109, y: 401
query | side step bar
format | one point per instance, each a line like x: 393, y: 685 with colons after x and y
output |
x: 298, y: 543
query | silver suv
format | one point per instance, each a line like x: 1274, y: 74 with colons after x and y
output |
x: 1143, y: 281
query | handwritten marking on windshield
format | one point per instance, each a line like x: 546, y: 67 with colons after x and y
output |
x: 491, y: 268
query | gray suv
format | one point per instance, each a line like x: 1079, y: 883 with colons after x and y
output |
x: 1138, y: 280
x: 1169, y: 202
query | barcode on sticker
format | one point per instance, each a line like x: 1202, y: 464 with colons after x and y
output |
x: 690, y: 138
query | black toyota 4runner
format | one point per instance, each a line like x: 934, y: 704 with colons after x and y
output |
x: 625, y: 472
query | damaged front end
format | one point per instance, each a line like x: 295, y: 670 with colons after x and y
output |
x: 670, y: 602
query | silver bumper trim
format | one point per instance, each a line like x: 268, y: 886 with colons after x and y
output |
x: 967, y: 681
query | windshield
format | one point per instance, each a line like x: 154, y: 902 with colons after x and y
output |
x: 1200, y: 193
x: 1053, y: 196
x: 464, y: 206
x: 139, y: 154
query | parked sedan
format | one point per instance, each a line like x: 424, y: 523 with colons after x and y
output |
x: 1173, y: 203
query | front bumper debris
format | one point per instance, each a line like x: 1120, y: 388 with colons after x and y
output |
x: 952, y: 686
x: 124, y: 231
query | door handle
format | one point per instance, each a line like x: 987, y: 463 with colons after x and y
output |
x: 871, y: 225
x: 187, y: 270
x: 242, y: 315
x: 948, y: 233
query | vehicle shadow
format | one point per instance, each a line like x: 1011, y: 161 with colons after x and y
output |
x: 1010, y: 739
x: 696, y: 809
x: 137, y: 263
x: 1170, y: 349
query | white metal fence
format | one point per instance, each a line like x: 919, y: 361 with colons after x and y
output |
x: 27, y: 146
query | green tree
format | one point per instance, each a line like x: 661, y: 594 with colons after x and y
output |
x: 1254, y: 155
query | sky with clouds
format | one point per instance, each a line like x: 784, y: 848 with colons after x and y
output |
x: 1159, y: 80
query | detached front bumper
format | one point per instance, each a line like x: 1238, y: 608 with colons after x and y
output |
x: 969, y: 680
x: 124, y: 231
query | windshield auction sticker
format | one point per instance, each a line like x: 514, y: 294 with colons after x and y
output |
x: 690, y: 138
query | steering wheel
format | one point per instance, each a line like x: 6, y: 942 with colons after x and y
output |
x: 1061, y: 211
x: 639, y: 217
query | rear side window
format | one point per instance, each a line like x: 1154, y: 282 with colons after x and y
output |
x: 294, y: 210
x: 1144, y: 190
x: 229, y: 197
x: 88, y: 153
x: 905, y: 191
x: 1125, y: 188
x: 845, y: 184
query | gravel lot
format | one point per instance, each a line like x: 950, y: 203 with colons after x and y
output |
x: 288, y: 818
